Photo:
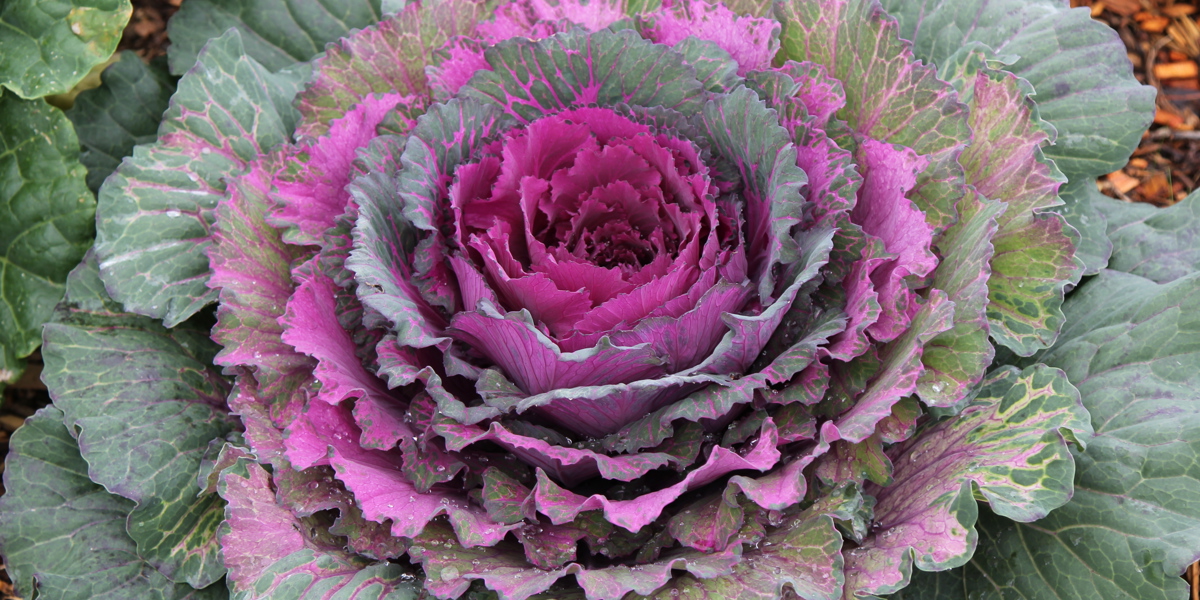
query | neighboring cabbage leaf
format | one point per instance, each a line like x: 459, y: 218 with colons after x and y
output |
x: 46, y: 222
x: 1160, y: 244
x: 120, y: 114
x: 48, y: 47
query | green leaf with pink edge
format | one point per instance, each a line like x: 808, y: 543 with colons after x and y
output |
x: 390, y: 56
x: 269, y: 557
x: 890, y: 96
x: 155, y: 215
x: 1084, y: 83
x: 316, y: 489
x: 63, y: 535
x: 1034, y: 257
x: 955, y: 360
x: 1009, y: 448
x: 144, y: 402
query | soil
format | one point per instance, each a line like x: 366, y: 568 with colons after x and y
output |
x: 1162, y: 38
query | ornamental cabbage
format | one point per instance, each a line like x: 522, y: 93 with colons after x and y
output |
x: 603, y: 300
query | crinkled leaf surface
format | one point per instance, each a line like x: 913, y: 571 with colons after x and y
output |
x: 1034, y: 253
x: 269, y: 557
x: 575, y: 69
x: 46, y: 216
x: 388, y: 57
x: 889, y: 95
x: 1132, y: 347
x: 47, y: 47
x: 1160, y: 244
x: 156, y: 212
x: 120, y: 114
x: 145, y: 402
x: 276, y: 33
x: 1083, y: 80
x: 1008, y: 447
x: 63, y: 531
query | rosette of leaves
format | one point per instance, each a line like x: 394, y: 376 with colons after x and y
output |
x: 594, y: 300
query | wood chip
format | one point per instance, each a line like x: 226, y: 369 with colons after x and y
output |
x: 1122, y: 182
x: 1124, y: 8
x: 1097, y: 9
x: 1177, y: 70
x: 1139, y: 163
x: 1170, y: 119
x: 1155, y: 24
x: 1178, y: 10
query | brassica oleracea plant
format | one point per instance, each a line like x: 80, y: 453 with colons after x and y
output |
x: 620, y: 299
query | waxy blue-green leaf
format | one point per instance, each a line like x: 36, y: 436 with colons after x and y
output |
x: 155, y: 215
x: 1161, y: 244
x: 64, y: 532
x: 145, y: 402
x: 46, y: 221
x: 276, y: 33
x: 120, y: 114
x: 46, y: 47
x: 1081, y: 209
x: 1132, y: 347
x: 1083, y: 80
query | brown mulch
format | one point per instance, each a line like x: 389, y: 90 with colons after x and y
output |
x: 1162, y: 38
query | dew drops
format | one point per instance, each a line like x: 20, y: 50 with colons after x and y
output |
x: 449, y: 574
x: 174, y: 214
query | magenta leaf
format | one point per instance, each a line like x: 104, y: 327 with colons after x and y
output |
x: 267, y: 557
x: 751, y: 41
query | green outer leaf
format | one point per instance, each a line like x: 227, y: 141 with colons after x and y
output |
x: 889, y: 96
x: 1081, y: 209
x: 120, y: 114
x: 1160, y: 244
x: 145, y: 403
x: 1132, y: 347
x: 1008, y: 448
x: 48, y: 47
x: 276, y: 33
x: 1084, y: 82
x: 46, y: 221
x: 155, y: 216
x: 63, y: 531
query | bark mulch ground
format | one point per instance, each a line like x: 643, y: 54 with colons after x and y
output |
x: 1162, y: 38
